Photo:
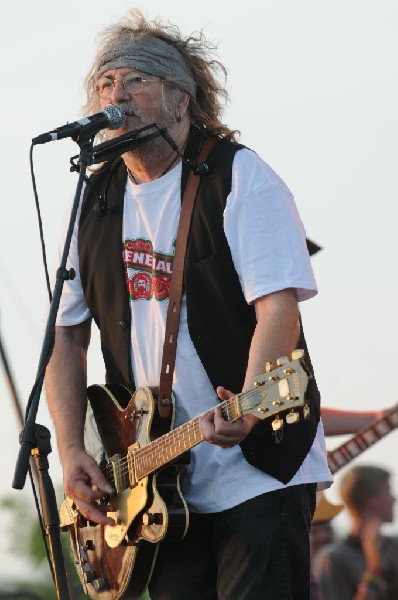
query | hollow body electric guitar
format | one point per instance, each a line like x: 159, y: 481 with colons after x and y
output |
x: 145, y: 460
x: 361, y: 441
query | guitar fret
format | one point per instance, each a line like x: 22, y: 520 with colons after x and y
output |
x: 353, y: 448
x: 339, y: 458
x: 382, y: 428
x: 333, y: 466
x: 235, y: 408
x: 393, y: 417
x: 362, y: 442
x: 370, y: 437
x: 167, y: 448
x: 342, y: 455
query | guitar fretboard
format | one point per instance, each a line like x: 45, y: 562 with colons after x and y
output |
x: 123, y: 472
x: 280, y: 392
x: 166, y: 448
x: 177, y: 441
x: 339, y: 458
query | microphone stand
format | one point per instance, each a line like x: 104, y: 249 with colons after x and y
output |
x: 35, y: 439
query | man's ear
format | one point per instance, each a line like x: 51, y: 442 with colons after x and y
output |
x: 182, y: 105
x: 373, y: 504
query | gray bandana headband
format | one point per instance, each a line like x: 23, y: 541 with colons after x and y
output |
x: 150, y: 55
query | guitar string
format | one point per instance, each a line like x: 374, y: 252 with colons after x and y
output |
x: 183, y: 433
x: 158, y: 449
x: 386, y: 421
x: 172, y: 438
x: 345, y: 451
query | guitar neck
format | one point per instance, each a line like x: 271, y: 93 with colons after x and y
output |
x: 361, y: 441
x: 173, y: 444
x: 166, y: 448
x: 276, y: 393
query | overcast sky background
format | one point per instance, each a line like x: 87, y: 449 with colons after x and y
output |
x: 314, y: 90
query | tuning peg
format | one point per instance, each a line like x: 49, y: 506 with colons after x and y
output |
x: 258, y: 383
x: 273, y: 378
x: 292, y: 417
x: 268, y: 367
x: 289, y: 371
x: 277, y: 424
x: 306, y: 411
x: 297, y: 354
x: 282, y: 360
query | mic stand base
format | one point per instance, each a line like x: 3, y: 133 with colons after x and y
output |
x: 49, y: 509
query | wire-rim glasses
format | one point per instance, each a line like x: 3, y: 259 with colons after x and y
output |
x: 131, y: 82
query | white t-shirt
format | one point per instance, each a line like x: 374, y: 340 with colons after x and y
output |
x: 267, y: 242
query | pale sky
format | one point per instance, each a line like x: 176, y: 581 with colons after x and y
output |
x: 313, y: 89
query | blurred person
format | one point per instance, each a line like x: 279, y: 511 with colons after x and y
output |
x: 321, y: 534
x: 336, y: 422
x: 364, y: 565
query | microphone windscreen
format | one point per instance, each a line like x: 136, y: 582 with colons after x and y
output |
x: 115, y: 115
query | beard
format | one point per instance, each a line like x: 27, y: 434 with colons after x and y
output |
x: 136, y: 119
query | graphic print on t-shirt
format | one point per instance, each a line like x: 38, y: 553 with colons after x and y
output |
x: 148, y: 273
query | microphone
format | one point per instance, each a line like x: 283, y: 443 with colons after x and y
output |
x: 112, y: 117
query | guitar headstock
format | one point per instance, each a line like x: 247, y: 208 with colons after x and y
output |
x: 281, y: 388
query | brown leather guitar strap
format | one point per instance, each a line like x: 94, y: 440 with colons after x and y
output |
x: 176, y: 285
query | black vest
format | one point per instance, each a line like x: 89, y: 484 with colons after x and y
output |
x: 220, y: 322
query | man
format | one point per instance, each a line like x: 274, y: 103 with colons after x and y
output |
x: 363, y: 566
x: 250, y: 491
x: 335, y: 422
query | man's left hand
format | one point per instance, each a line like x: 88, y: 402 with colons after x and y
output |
x: 216, y: 430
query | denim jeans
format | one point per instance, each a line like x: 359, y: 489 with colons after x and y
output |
x: 258, y: 550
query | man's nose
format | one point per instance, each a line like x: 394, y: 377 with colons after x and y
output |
x: 118, y: 92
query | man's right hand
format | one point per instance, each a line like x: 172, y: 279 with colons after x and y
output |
x: 85, y: 484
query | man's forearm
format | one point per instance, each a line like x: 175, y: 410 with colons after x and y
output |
x: 276, y: 333
x: 340, y: 422
x: 66, y: 382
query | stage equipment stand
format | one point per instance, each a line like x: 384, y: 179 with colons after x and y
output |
x: 35, y: 439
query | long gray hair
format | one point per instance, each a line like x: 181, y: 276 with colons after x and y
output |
x: 206, y: 106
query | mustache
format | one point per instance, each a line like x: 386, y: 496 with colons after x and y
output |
x: 130, y: 110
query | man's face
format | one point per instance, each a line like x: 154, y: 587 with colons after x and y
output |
x: 382, y: 505
x: 142, y: 108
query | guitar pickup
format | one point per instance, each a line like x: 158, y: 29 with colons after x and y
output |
x: 120, y: 478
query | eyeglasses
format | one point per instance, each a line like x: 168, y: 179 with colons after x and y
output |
x: 131, y: 82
